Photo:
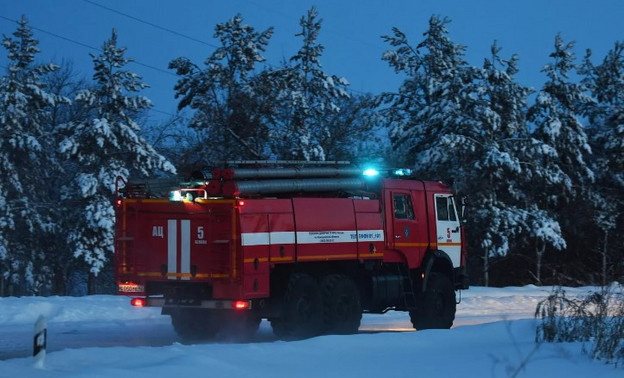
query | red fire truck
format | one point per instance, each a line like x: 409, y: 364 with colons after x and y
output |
x: 308, y: 247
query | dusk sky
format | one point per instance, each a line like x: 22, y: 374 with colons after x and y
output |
x: 351, y: 32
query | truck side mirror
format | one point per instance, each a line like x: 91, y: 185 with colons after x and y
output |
x: 463, y: 209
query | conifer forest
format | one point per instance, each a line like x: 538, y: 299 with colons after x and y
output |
x: 541, y: 170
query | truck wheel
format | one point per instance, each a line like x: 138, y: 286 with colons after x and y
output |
x: 195, y: 324
x: 437, y: 308
x: 302, y: 310
x: 241, y: 325
x: 342, y: 310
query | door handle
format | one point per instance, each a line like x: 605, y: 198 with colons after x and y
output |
x: 456, y: 230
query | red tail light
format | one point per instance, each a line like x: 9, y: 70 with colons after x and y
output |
x: 138, y: 302
x: 240, y: 305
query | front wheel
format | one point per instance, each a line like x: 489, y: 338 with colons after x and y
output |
x: 342, y: 307
x: 437, y: 307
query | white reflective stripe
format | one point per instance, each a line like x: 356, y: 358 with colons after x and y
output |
x: 185, y: 247
x: 255, y: 238
x: 172, y: 247
x: 267, y: 238
x: 282, y: 237
x: 310, y: 237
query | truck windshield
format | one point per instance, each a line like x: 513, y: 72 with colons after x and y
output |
x: 446, y: 209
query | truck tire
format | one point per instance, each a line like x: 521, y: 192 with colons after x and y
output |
x: 342, y: 309
x: 240, y: 325
x: 195, y: 324
x: 437, y: 308
x: 302, y: 310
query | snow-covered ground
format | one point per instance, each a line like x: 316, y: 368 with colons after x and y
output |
x: 103, y: 336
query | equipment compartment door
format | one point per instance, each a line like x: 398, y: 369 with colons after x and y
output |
x: 255, y: 241
x: 448, y: 229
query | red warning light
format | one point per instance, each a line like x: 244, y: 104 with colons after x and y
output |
x: 241, y: 203
x: 240, y: 305
x: 138, y: 302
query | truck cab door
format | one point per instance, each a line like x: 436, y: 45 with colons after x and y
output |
x: 448, y: 227
x: 403, y: 219
x: 409, y: 226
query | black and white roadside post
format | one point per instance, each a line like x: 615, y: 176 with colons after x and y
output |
x: 40, y: 341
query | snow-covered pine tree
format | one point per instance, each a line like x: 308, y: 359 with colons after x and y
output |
x: 223, y: 94
x: 562, y: 173
x: 556, y: 116
x: 606, y: 130
x: 467, y: 125
x: 105, y: 145
x: 508, y: 100
x: 65, y: 82
x: 310, y: 97
x: 496, y: 174
x: 24, y: 163
x: 429, y: 106
x: 463, y: 125
x: 606, y: 115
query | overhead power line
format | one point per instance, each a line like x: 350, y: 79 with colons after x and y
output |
x: 88, y: 46
x: 151, y: 24
x: 137, y: 19
x: 162, y: 112
x: 92, y: 48
x: 53, y: 34
x: 168, y: 30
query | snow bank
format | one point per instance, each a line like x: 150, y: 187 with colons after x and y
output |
x: 26, y: 310
x: 493, y: 337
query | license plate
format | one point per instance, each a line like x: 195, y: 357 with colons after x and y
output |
x: 131, y: 288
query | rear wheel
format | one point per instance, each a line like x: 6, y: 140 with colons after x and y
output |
x: 195, y: 324
x: 302, y: 309
x: 241, y: 325
x: 437, y: 308
x: 342, y: 307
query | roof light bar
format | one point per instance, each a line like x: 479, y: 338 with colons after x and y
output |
x: 402, y: 172
x: 370, y: 172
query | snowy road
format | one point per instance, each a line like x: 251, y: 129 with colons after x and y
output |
x: 103, y: 336
x: 147, y: 328
x: 16, y: 341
